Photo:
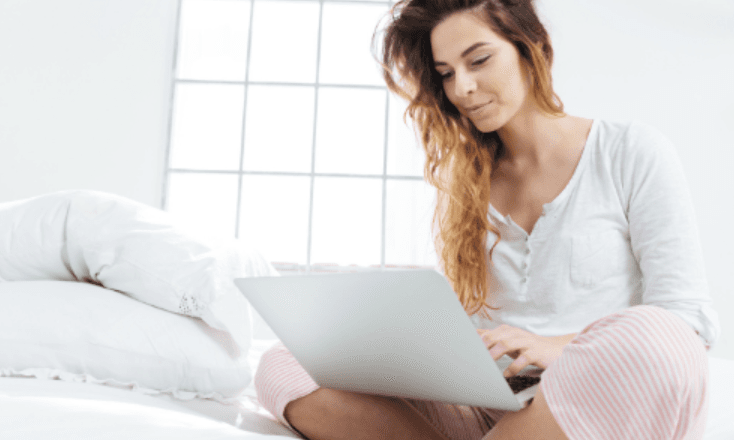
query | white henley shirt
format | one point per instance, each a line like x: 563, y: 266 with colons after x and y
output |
x: 622, y: 232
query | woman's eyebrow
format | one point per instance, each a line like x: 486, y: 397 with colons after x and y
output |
x: 466, y: 52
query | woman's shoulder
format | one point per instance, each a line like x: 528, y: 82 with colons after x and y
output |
x: 632, y: 151
x: 630, y: 139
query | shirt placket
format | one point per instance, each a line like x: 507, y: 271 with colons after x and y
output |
x: 525, y: 244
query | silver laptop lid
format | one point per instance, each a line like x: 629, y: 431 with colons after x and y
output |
x: 395, y: 333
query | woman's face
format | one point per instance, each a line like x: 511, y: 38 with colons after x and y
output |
x: 483, y: 75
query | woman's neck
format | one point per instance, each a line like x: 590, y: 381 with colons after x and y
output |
x: 531, y: 138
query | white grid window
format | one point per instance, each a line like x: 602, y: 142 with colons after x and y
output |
x: 283, y: 134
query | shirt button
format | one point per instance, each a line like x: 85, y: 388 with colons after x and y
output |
x: 527, y: 251
x: 525, y: 280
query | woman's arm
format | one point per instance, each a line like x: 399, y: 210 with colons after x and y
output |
x: 663, y: 229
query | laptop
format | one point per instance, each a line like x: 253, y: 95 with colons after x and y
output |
x: 392, y: 333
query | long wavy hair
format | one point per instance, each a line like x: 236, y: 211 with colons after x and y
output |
x: 460, y: 158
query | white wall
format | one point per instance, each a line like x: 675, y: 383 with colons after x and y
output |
x: 85, y: 88
x: 84, y: 92
x: 669, y: 63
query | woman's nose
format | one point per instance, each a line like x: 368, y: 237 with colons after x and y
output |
x: 464, y: 84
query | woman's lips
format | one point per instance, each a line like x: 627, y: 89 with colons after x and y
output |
x: 477, y: 108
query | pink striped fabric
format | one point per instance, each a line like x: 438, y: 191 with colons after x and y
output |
x: 640, y: 373
x: 280, y: 379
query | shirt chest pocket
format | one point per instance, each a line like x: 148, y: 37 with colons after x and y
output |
x: 597, y: 258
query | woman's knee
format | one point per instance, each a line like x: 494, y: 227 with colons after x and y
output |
x: 647, y: 334
x: 265, y: 369
x: 280, y: 379
x: 641, y: 362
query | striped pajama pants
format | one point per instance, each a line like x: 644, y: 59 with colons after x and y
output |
x: 641, y: 374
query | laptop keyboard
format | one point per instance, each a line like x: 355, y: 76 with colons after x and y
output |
x: 519, y: 383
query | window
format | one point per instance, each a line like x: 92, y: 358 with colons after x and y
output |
x: 283, y: 134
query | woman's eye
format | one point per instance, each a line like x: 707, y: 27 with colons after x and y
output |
x: 445, y: 75
x: 480, y: 61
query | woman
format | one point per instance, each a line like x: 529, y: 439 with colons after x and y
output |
x: 570, y: 242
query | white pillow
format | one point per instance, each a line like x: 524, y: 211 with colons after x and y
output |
x: 80, y: 332
x: 132, y: 248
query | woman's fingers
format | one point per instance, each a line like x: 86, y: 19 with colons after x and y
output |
x: 517, y: 366
x: 493, y: 342
x: 513, y: 342
x: 501, y: 333
x: 525, y: 347
x: 498, y: 350
x: 510, y: 346
x: 482, y: 334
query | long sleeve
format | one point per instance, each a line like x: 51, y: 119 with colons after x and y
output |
x: 663, y: 230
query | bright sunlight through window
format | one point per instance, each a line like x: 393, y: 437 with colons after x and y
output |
x: 283, y: 134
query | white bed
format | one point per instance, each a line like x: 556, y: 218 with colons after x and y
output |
x: 43, y: 409
x: 156, y: 342
x: 38, y: 409
x: 118, y: 323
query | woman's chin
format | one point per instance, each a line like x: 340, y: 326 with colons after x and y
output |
x: 486, y: 125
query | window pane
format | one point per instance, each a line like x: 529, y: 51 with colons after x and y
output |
x: 350, y: 133
x: 274, y: 216
x: 347, y: 221
x: 284, y: 41
x: 213, y: 40
x: 346, y: 38
x: 279, y: 130
x: 408, y: 239
x: 405, y: 156
x: 207, y: 126
x: 205, y: 203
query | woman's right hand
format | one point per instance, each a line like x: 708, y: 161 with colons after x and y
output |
x: 525, y: 347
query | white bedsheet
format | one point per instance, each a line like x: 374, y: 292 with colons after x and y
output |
x: 720, y: 423
x: 34, y: 409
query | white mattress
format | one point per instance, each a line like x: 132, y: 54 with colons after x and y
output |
x: 35, y: 409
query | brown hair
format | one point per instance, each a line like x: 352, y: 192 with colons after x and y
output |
x: 460, y: 158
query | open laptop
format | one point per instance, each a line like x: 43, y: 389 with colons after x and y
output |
x: 392, y: 333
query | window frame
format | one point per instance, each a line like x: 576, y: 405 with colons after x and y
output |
x: 287, y: 268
